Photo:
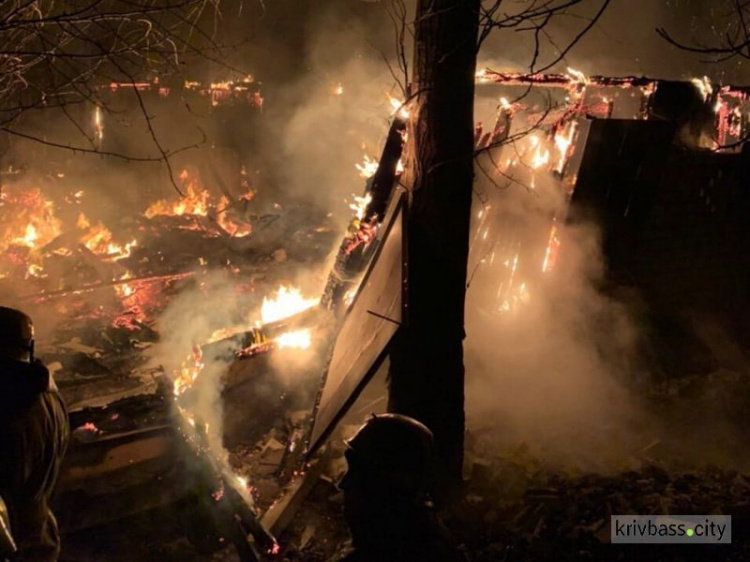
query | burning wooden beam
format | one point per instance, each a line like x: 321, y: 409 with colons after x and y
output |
x: 352, y: 256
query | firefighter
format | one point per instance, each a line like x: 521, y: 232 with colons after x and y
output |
x: 33, y: 437
x: 385, y: 497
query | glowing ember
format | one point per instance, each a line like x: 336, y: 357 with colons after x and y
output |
x: 300, y: 339
x: 218, y: 495
x: 35, y: 270
x: 287, y: 302
x: 338, y: 90
x: 89, y: 427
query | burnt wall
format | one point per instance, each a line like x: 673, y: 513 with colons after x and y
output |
x: 676, y: 226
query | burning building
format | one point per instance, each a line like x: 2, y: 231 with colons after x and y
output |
x: 660, y: 166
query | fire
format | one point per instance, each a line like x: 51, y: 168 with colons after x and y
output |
x: 287, y: 302
x: 577, y: 77
x: 27, y: 220
x: 195, y: 201
x: 367, y: 168
x: 563, y: 142
x: 232, y: 228
x: 29, y: 238
x: 98, y: 239
x: 35, y: 270
x: 300, y: 339
x: 398, y: 107
x: 360, y: 205
x: 550, y: 255
x: 82, y: 223
x: 98, y: 124
x: 338, y: 90
x: 704, y: 87
x: 189, y: 371
x: 540, y: 157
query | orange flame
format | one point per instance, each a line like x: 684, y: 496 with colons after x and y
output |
x: 398, y: 107
x: 27, y: 220
x: 98, y: 239
x: 368, y: 167
x: 189, y: 371
x: 287, y: 302
x: 195, y: 201
x: 300, y: 339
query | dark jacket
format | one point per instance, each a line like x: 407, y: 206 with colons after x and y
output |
x: 413, y: 535
x: 33, y: 436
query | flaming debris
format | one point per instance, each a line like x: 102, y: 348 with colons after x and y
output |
x: 29, y: 219
x: 195, y: 201
x: 189, y: 371
x: 98, y: 239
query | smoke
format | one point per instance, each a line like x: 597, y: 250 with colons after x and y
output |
x: 552, y: 373
x: 568, y: 364
x: 190, y: 319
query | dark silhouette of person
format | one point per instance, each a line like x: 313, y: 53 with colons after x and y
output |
x: 386, y: 505
x: 33, y: 437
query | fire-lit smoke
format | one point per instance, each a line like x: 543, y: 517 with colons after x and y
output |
x: 556, y: 357
x: 189, y: 320
x: 549, y: 370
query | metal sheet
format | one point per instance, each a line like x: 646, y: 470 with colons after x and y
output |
x: 366, y: 331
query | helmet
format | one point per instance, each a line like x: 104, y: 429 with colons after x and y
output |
x: 16, y: 329
x: 392, y: 451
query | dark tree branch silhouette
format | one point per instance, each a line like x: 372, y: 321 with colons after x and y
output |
x: 58, y: 55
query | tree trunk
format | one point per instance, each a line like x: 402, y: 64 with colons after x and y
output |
x: 426, y: 369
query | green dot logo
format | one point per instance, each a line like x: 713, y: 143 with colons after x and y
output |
x: 690, y: 532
